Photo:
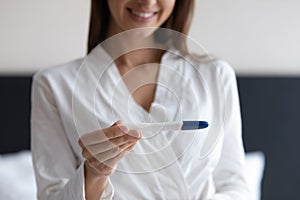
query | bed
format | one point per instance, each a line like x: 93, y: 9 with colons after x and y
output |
x: 270, y: 113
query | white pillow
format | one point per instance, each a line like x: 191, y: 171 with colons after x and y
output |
x: 255, y: 164
x: 17, y: 177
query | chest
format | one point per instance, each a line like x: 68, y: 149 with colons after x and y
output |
x: 141, y: 82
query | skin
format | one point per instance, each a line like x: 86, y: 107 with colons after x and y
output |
x: 103, y: 149
x: 121, y: 15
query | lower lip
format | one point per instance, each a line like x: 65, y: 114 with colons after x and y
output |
x: 141, y: 19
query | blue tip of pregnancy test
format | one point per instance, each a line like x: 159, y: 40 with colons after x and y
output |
x: 193, y: 125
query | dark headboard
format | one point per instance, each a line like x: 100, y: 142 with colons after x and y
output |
x: 270, y: 112
x: 271, y: 119
x: 15, y: 113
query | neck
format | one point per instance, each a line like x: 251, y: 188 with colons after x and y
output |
x: 139, y: 57
x: 130, y: 40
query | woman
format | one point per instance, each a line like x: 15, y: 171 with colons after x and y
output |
x: 113, y: 161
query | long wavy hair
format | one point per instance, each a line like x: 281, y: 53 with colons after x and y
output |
x: 180, y: 20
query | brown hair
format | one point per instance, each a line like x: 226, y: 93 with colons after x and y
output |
x: 180, y: 20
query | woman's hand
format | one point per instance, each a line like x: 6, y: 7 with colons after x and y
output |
x: 103, y: 149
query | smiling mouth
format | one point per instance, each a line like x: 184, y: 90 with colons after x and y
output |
x: 140, y: 14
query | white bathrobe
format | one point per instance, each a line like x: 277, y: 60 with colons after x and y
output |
x: 89, y: 94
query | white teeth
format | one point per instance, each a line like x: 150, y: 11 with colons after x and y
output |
x: 142, y: 14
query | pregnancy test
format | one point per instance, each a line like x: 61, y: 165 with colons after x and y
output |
x: 169, y: 126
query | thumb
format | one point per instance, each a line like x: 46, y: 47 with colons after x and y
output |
x: 118, y: 122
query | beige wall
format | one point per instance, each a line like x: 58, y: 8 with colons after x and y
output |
x: 256, y: 37
x: 39, y: 33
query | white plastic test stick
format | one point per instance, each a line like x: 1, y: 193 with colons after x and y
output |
x: 169, y: 126
x: 153, y: 127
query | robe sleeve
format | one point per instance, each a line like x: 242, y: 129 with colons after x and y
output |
x: 229, y: 175
x: 57, y: 171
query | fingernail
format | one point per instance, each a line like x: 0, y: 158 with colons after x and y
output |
x: 135, y: 133
x: 124, y: 128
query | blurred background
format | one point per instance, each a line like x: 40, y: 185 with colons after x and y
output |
x: 256, y: 37
x: 259, y: 38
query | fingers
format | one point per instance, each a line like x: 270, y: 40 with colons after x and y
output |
x: 118, y: 122
x: 110, y: 153
x: 105, y: 146
x: 103, y: 149
x: 113, y: 161
x: 107, y: 155
x: 130, y: 147
x: 102, y: 135
x: 126, y: 148
x: 107, y: 165
x: 114, y: 131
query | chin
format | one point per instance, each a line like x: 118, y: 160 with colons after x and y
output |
x: 142, y: 32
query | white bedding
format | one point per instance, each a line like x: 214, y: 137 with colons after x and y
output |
x: 255, y: 162
x: 17, y: 177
